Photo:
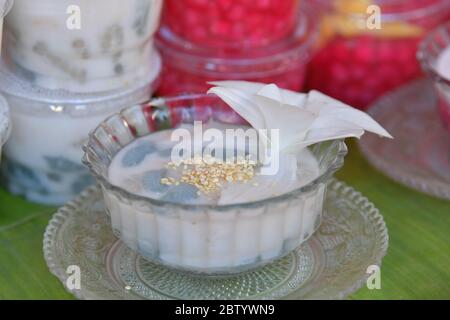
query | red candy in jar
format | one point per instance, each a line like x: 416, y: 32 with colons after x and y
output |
x: 218, y: 23
x: 188, y: 67
x: 358, y: 62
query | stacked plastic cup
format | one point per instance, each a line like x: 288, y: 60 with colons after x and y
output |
x: 68, y: 64
x: 257, y: 40
x: 369, y: 47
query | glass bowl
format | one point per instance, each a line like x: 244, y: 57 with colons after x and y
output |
x: 430, y: 49
x: 206, y: 239
x: 5, y: 123
x: 188, y: 66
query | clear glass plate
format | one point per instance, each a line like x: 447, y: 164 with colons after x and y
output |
x: 419, y: 154
x: 331, y: 265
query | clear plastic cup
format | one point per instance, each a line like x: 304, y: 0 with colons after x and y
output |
x: 430, y: 50
x: 42, y: 158
x: 199, y: 238
x: 188, y: 67
x: 357, y: 63
x: 81, y: 46
x: 225, y: 23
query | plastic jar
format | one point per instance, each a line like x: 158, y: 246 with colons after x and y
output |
x: 42, y: 158
x: 357, y: 62
x: 188, y: 67
x: 81, y: 45
x: 225, y: 23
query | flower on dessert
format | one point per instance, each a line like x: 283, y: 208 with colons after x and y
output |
x: 302, y: 119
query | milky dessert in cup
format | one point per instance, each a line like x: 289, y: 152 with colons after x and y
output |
x: 42, y: 159
x: 82, y: 45
x: 193, y: 193
x: 434, y: 55
x: 5, y: 123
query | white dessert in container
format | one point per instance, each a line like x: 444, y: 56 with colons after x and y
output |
x: 82, y: 45
x: 212, y: 234
x: 42, y: 159
x: 5, y: 123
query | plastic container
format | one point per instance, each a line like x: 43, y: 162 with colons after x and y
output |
x: 431, y: 51
x: 207, y: 239
x: 227, y: 23
x: 43, y: 155
x: 79, y: 45
x: 188, y: 67
x: 357, y: 62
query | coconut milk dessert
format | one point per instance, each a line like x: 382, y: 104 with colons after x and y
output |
x: 211, y: 239
x: 82, y: 45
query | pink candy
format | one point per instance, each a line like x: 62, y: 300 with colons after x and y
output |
x: 360, y: 69
x: 224, y: 23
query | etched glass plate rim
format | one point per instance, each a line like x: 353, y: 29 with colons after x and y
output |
x: 398, y: 173
x: 64, y: 213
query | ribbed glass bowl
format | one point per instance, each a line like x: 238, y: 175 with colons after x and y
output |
x: 206, y: 239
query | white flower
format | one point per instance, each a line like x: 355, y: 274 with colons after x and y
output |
x: 302, y: 119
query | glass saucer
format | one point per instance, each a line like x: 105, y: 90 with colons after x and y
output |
x: 419, y: 154
x: 331, y: 265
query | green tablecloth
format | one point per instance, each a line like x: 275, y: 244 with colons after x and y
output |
x: 417, y: 265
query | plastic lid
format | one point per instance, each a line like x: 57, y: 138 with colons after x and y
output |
x: 27, y: 97
x: 240, y: 59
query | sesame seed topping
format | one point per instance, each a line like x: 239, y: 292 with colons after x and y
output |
x: 209, y: 174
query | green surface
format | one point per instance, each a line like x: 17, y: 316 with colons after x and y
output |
x: 417, y: 265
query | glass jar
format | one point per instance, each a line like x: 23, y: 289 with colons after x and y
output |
x: 432, y: 49
x: 42, y: 158
x: 81, y: 46
x: 356, y: 62
x: 188, y: 67
x: 225, y: 23
x: 204, y: 238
